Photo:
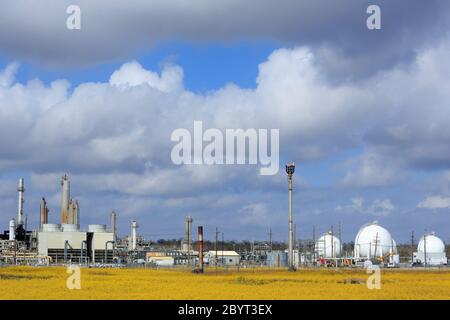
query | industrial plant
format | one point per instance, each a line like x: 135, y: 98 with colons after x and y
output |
x: 64, y: 242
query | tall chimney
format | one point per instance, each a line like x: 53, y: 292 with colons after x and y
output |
x: 134, y: 226
x: 43, y: 216
x: 65, y: 184
x: 12, y: 229
x: 113, y: 224
x: 21, y: 190
x: 73, y: 212
x: 188, y: 234
x: 200, y: 248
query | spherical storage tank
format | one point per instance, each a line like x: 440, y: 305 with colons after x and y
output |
x: 373, y: 241
x: 328, y: 246
x: 431, y: 243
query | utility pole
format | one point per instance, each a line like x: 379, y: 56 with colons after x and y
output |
x: 412, y: 246
x: 215, y: 247
x: 290, y: 169
x: 223, y: 262
x: 332, y: 242
x: 314, y: 244
x: 295, y: 236
x: 270, y: 239
x: 340, y: 239
x: 15, y: 252
x: 425, y: 247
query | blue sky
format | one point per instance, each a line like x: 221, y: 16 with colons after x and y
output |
x: 362, y: 112
x: 207, y: 66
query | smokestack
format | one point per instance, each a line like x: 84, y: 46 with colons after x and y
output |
x: 12, y: 229
x: 21, y: 190
x: 73, y: 213
x: 134, y: 226
x: 65, y: 184
x: 188, y: 234
x: 43, y: 216
x: 200, y: 248
x: 76, y: 213
x: 113, y: 224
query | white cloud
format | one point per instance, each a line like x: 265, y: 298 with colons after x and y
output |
x: 377, y: 208
x: 132, y: 74
x: 124, y: 126
x: 114, y: 137
x: 371, y: 170
x: 256, y: 214
x: 435, y: 202
x: 381, y: 207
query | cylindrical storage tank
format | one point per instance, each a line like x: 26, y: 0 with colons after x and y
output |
x: 69, y: 227
x: 373, y: 241
x: 328, y: 246
x: 51, y: 227
x: 277, y: 259
x: 12, y: 229
x: 97, y: 228
x: 431, y: 244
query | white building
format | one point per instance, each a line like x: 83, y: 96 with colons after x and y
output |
x: 68, y: 242
x: 224, y: 258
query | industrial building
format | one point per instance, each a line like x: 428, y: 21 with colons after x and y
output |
x: 66, y: 242
x: 223, y: 258
x: 160, y: 259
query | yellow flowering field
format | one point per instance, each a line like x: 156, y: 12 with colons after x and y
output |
x: 50, y: 283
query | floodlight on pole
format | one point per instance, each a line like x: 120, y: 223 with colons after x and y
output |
x: 290, y: 169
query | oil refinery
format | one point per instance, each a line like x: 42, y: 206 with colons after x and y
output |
x: 65, y: 242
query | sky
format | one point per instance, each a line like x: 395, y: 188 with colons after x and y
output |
x: 364, y: 114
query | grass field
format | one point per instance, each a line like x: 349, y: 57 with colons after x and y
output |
x: 50, y: 283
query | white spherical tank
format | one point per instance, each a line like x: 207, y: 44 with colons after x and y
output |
x: 431, y: 244
x: 373, y: 241
x: 328, y: 246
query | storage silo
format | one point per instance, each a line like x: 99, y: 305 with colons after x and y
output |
x: 328, y: 246
x: 430, y: 250
x: 373, y: 241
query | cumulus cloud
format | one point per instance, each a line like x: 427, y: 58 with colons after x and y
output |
x: 435, y: 202
x: 124, y: 126
x: 114, y: 137
x: 377, y: 208
x: 369, y: 170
